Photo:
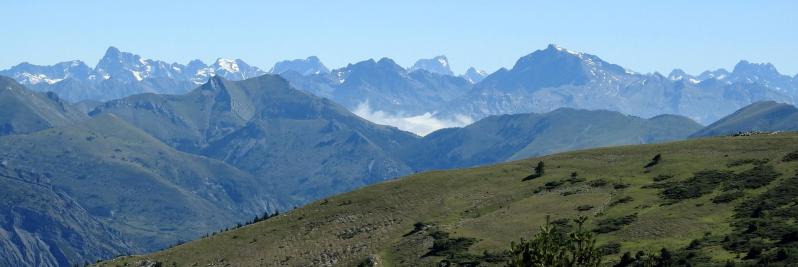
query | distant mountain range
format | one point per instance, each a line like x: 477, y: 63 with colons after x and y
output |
x: 556, y: 77
x: 120, y: 74
x: 539, y: 82
x: 546, y: 80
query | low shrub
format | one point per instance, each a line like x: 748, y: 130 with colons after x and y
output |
x: 622, y: 200
x: 654, y: 161
x: 598, y: 182
x: 740, y: 162
x: 727, y: 197
x: 614, y: 224
x: 792, y: 156
x: 702, y: 183
x: 584, y: 207
x: 662, y: 177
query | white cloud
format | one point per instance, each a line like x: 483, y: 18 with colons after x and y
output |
x: 419, y: 124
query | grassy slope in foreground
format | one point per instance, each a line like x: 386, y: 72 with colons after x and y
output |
x: 494, y: 206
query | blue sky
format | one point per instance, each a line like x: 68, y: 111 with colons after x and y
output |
x: 640, y: 35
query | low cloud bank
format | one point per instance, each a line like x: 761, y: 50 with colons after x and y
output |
x: 420, y: 124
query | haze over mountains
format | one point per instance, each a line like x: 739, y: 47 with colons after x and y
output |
x: 428, y: 96
x: 119, y: 74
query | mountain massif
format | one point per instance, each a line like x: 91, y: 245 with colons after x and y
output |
x: 556, y: 77
x: 308, y: 147
x: 765, y: 116
x: 542, y: 81
x: 119, y: 74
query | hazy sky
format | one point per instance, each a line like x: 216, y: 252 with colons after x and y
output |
x: 645, y: 37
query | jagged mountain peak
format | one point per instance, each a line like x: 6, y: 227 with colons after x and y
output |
x: 112, y: 51
x: 124, y: 66
x: 553, y: 67
x: 31, y: 74
x: 308, y: 66
x: 557, y: 48
x: 745, y: 67
x: 678, y: 74
x: 226, y: 64
x: 386, y: 61
x: 437, y: 64
x: 718, y: 74
x: 474, y: 75
x: 196, y: 64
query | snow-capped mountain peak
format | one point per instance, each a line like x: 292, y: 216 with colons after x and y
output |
x: 438, y: 64
x: 474, y: 76
x: 228, y: 65
x: 562, y: 49
x: 131, y: 70
x: 30, y: 74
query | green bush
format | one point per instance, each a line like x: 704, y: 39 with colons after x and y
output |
x: 619, y: 186
x: 662, y: 177
x: 622, y: 200
x: 654, y: 161
x: 554, y: 248
x: 584, y: 207
x: 610, y: 248
x: 702, y: 183
x: 614, y: 224
x: 598, y: 182
x: 727, y: 197
x: 575, y: 178
x: 740, y: 162
x: 759, y: 176
x: 792, y: 156
x: 540, y: 169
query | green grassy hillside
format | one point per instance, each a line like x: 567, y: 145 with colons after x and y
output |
x: 766, y: 116
x: 510, y: 137
x: 703, y: 194
x: 25, y: 111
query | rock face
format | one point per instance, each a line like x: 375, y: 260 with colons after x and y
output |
x: 41, y: 225
x: 138, y: 186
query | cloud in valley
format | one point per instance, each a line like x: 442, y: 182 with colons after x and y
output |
x: 419, y: 124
